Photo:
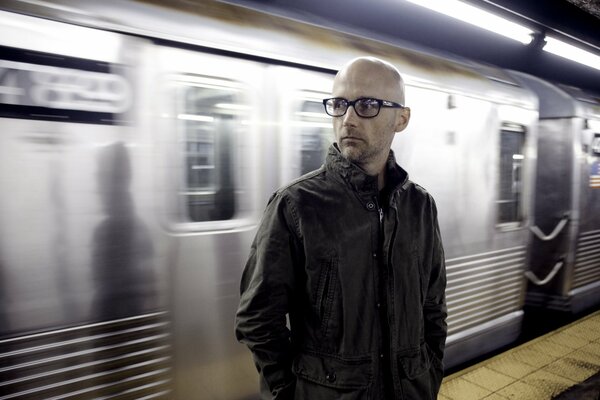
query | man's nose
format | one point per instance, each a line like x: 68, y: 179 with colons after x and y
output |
x: 350, y: 118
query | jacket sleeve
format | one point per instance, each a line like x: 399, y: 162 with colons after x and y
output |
x: 435, y: 311
x: 266, y: 291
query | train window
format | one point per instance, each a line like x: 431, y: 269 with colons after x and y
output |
x: 315, y: 132
x: 512, y: 141
x: 208, y: 116
x: 596, y: 144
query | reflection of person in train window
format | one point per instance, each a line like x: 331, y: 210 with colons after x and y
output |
x: 352, y: 254
x: 122, y: 254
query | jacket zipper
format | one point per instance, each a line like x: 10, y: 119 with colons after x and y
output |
x: 390, y: 277
x: 383, y: 315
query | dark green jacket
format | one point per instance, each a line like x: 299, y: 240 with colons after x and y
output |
x: 361, y: 282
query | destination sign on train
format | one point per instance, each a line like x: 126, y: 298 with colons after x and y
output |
x: 49, y: 92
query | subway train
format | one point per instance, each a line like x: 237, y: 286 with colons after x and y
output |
x: 140, y: 141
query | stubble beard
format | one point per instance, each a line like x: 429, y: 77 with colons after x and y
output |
x: 357, y: 152
x: 358, y: 155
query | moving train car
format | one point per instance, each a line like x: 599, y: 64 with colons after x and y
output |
x: 565, y: 245
x: 139, y: 145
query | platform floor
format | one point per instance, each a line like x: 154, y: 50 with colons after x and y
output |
x: 537, y: 370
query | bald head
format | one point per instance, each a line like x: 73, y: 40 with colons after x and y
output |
x: 371, y: 77
x: 366, y: 141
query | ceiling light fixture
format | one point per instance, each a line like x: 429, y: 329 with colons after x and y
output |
x: 571, y: 52
x: 478, y: 17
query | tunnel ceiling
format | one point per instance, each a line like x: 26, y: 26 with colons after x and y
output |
x: 590, y: 6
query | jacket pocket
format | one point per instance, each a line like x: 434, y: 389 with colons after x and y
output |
x: 419, y: 379
x: 329, y: 377
x: 326, y: 291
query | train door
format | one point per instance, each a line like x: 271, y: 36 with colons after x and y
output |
x: 210, y: 132
x: 82, y: 301
x: 306, y: 131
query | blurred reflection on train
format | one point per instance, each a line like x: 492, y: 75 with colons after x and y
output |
x: 138, y: 147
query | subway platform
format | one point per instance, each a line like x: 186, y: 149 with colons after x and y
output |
x: 561, y: 365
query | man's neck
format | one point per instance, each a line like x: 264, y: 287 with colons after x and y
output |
x: 381, y: 179
x: 376, y: 168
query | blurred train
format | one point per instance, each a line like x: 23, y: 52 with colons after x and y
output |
x: 139, y: 142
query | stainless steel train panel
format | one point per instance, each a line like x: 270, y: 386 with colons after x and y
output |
x: 483, y: 287
x: 66, y: 185
x: 82, y: 262
x: 485, y: 299
x: 451, y: 158
x: 210, y: 132
x: 587, y: 259
x: 566, y: 172
x: 554, y: 180
x: 585, y: 284
x: 124, y: 357
x: 461, y: 157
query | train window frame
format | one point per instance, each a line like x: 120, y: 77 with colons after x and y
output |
x: 293, y: 87
x: 518, y: 171
x: 181, y: 120
x: 307, y: 119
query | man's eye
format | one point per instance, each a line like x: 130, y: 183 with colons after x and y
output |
x: 337, y: 104
x: 369, y: 103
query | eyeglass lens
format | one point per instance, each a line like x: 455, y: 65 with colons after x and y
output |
x: 363, y: 107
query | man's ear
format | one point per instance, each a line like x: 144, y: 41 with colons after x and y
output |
x: 402, y: 119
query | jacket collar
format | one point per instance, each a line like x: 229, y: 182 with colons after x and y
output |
x: 358, y: 179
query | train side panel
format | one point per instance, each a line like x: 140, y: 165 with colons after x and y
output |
x: 565, y: 252
x: 82, y: 259
x: 475, y: 156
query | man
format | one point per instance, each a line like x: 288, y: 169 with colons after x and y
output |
x: 352, y: 254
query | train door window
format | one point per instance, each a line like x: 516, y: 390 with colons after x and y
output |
x: 512, y: 142
x: 209, y: 113
x: 314, y: 131
x: 596, y: 145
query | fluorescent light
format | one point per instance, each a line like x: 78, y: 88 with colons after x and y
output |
x: 53, y: 37
x: 571, y: 52
x: 518, y: 157
x: 478, y: 17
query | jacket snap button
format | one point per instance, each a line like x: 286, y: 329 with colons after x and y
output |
x: 331, y: 377
x: 370, y: 205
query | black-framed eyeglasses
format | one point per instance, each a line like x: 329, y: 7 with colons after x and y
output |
x: 365, y: 107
